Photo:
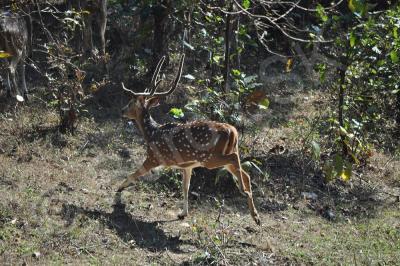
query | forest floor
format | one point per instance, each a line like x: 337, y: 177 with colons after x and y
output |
x: 58, y: 203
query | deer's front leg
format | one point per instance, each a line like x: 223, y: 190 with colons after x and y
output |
x: 145, y: 168
x: 187, y: 174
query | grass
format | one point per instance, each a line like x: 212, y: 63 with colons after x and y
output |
x: 371, y: 242
x: 58, y: 198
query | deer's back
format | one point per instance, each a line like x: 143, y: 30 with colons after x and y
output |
x: 197, y: 141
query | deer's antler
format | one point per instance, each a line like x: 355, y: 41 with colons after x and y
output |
x: 173, y: 84
x: 155, y: 82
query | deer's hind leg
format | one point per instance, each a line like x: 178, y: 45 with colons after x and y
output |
x: 244, y: 180
x: 232, y: 163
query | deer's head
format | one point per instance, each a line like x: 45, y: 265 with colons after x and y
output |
x: 143, y: 101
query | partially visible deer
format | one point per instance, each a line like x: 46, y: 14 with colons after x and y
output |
x: 15, y: 41
x: 184, y: 146
x: 94, y: 18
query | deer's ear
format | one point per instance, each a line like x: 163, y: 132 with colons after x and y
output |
x: 152, y: 102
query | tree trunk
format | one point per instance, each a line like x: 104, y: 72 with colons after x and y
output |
x: 342, y: 77
x: 398, y: 112
x: 160, y: 39
x: 235, y: 39
x: 228, y: 29
x: 187, y: 37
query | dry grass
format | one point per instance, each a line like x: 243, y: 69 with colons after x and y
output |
x: 58, y: 204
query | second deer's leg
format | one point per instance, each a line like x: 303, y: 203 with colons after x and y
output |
x: 9, y: 86
x: 22, y: 79
x: 12, y: 84
x: 145, y: 168
x: 187, y: 174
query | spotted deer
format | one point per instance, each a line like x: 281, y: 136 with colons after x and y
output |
x: 186, y: 146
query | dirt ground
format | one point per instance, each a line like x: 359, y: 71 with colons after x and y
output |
x: 58, y: 203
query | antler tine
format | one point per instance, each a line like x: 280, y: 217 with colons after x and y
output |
x: 153, y: 90
x: 174, y: 84
x: 154, y: 82
x: 125, y: 89
x: 134, y: 93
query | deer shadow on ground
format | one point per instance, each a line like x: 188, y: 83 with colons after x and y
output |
x: 145, y: 234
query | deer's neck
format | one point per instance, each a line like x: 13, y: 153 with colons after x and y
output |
x: 147, y: 125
